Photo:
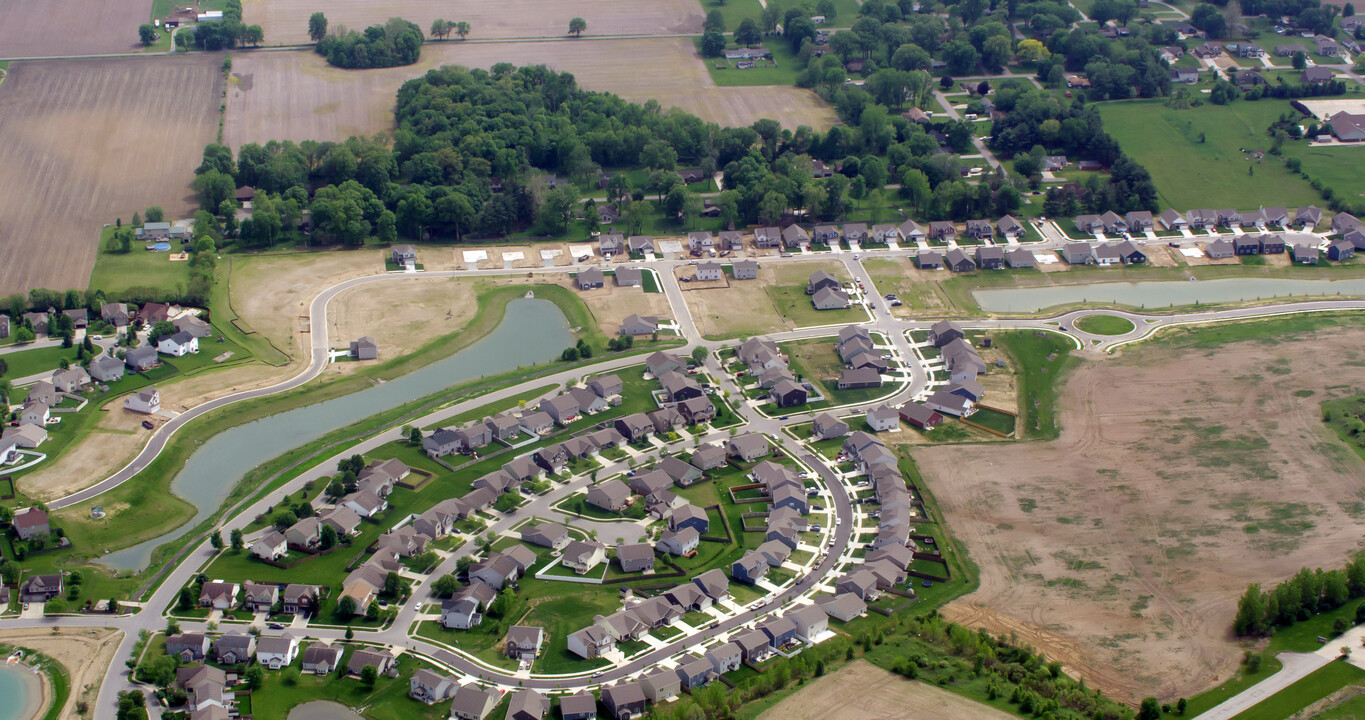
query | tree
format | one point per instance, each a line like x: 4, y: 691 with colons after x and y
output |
x: 23, y: 335
x: 216, y: 540
x: 317, y: 26
x: 346, y: 608
x: 440, y: 28
x: 327, y: 537
x: 186, y: 599
x: 415, y: 436
x: 372, y: 612
x: 146, y: 32
x: 577, y: 26
x: 1251, y: 613
x: 748, y: 34
x: 214, y: 188
x: 155, y: 214
x: 1150, y: 709
x: 712, y: 44
x: 502, y: 605
x: 715, y: 20
x: 254, y: 676
x: 368, y: 676
x: 236, y: 538
x: 445, y: 586
x: 462, y: 29
x: 1031, y: 51
x: 1300, y: 60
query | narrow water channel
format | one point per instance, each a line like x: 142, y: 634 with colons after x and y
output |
x: 1164, y: 294
x: 532, y: 331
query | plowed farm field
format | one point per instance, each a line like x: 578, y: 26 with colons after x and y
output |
x: 48, y: 28
x: 297, y: 96
x: 286, y: 21
x: 88, y: 141
x: 1183, y: 473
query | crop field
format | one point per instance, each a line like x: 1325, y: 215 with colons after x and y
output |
x: 88, y: 141
x: 286, y: 21
x: 1197, y: 157
x: 1120, y: 549
x: 297, y: 96
x: 70, y: 27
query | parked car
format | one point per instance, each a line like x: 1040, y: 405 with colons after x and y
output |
x: 148, y: 424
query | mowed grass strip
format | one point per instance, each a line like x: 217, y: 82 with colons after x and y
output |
x: 1305, y: 692
x: 1196, y: 156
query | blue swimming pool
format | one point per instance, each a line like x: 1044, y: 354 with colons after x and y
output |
x: 161, y: 247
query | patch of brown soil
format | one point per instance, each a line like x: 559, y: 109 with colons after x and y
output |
x: 1181, y: 476
x: 402, y: 315
x: 85, y: 653
x: 863, y: 691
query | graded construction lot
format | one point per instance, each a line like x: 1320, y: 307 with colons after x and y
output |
x: 297, y: 96
x: 401, y: 314
x: 863, y: 691
x: 70, y: 27
x: 608, y: 305
x: 286, y: 21
x: 747, y: 307
x: 85, y: 653
x: 88, y: 141
x: 1182, y: 474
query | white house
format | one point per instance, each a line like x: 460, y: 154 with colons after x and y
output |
x: 147, y: 400
x: 277, y: 652
x: 178, y: 345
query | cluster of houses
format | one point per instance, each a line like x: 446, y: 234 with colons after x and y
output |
x: 28, y: 524
x: 1262, y: 220
x: 826, y: 291
x: 986, y: 257
x: 495, y: 571
x: 628, y: 699
x: 963, y: 365
x: 864, y: 365
x: 795, y: 238
x: 768, y: 367
x: 788, y: 503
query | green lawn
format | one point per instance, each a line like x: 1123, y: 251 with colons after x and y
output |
x: 1353, y: 709
x: 1040, y: 360
x: 734, y: 11
x: 794, y: 304
x: 118, y: 273
x: 1305, y: 692
x: 387, y: 700
x: 782, y: 71
x: 38, y: 360
x: 1195, y: 156
x: 998, y: 421
x: 1104, y: 325
x: 1336, y: 167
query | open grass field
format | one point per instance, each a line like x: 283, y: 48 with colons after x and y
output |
x: 297, y: 96
x: 863, y: 691
x: 88, y: 141
x: 286, y: 21
x: 1121, y: 548
x: 70, y: 27
x: 1196, y: 156
x: 1335, y: 166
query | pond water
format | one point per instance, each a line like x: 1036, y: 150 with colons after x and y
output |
x: 1152, y: 295
x: 21, y: 693
x: 322, y: 710
x: 532, y: 331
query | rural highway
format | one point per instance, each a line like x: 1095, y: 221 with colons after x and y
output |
x: 149, y: 615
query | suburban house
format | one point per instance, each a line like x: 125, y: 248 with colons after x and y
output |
x: 679, y: 542
x: 689, y: 516
x: 322, y: 658
x: 637, y: 324
x: 234, y: 649
x: 30, y: 522
x: 299, y: 599
x: 695, y: 672
x: 527, y: 705
x: 747, y: 447
x: 640, y: 244
x: 612, y: 495
x: 365, y: 348
x: 826, y: 426
x: 882, y: 418
x: 787, y: 393
x: 472, y: 702
x: 258, y: 597
x: 709, y: 271
x: 142, y: 359
x: 635, y: 557
x: 277, y: 652
x: 546, y: 534
x: 581, y: 556
x: 661, y: 685
x: 990, y: 258
x: 189, y: 647
x: 590, y: 278
x: 745, y: 270
x: 381, y: 660
x: 811, y: 622
x: 844, y: 607
x: 403, y: 254
x: 591, y: 642
x: 431, y: 687
x: 523, y: 642
x: 218, y: 595
x: 625, y: 701
x: 920, y: 416
x: 579, y: 706
x: 106, y: 369
x: 959, y: 261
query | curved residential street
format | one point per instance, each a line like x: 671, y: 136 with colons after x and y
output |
x: 836, y: 552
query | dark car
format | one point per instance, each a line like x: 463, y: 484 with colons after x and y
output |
x: 148, y: 424
x: 274, y: 626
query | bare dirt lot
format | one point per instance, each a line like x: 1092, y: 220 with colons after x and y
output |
x: 608, y: 305
x: 863, y: 691
x: 745, y: 308
x: 1181, y: 476
x: 297, y: 96
x: 286, y: 21
x: 85, y: 653
x: 87, y: 141
x: 402, y: 315
x: 70, y: 27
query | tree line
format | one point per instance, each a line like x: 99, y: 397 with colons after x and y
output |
x: 1308, y: 593
x: 223, y: 35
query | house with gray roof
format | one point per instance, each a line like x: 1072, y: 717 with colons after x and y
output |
x: 523, y: 642
x: 637, y: 324
x: 844, y: 607
x: 708, y: 457
x: 612, y: 495
x: 745, y: 270
x: 472, y: 702
x: 526, y: 704
x: 627, y: 276
x: 748, y: 447
x: 635, y: 557
x: 625, y: 700
x: 679, y: 542
x: 546, y: 534
x: 580, y: 706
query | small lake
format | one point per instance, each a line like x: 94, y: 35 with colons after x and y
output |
x: 322, y: 710
x: 531, y: 332
x: 1152, y: 295
x: 21, y: 693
